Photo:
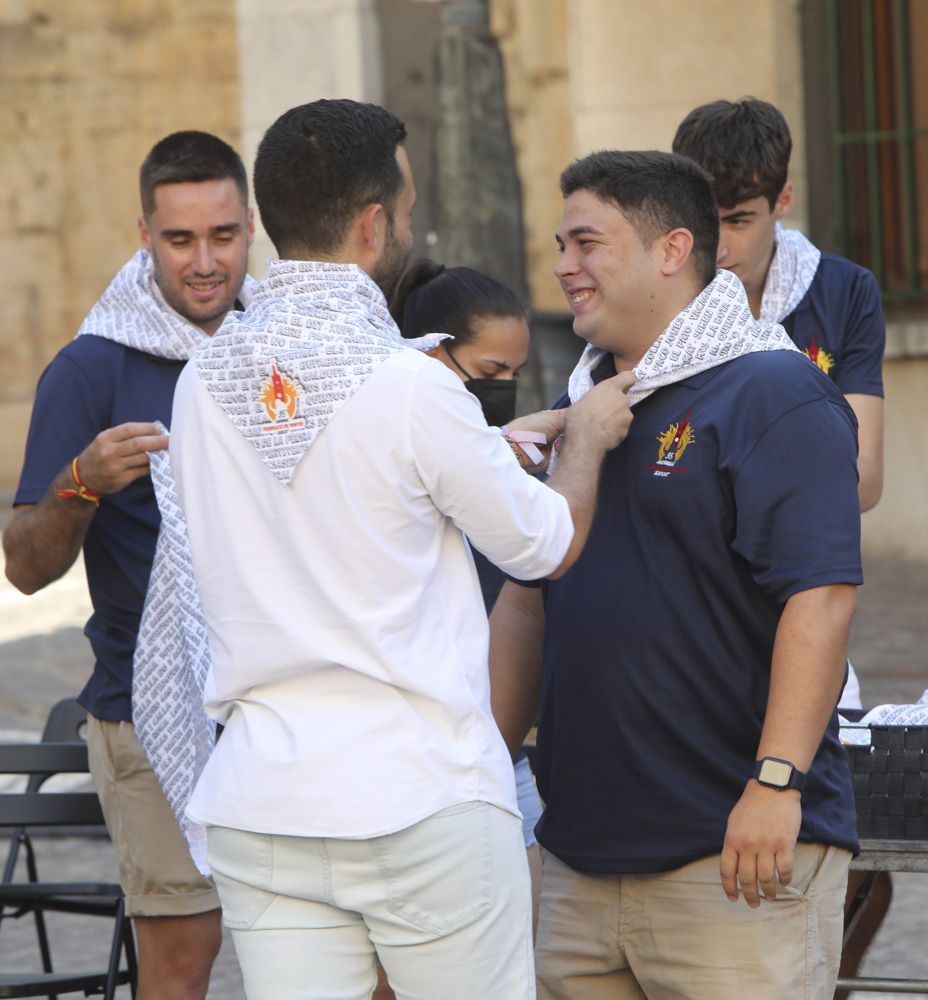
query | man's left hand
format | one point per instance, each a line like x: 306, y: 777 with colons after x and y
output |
x: 759, y: 842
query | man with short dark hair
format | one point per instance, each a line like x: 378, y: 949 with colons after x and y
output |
x: 693, y: 655
x: 85, y: 485
x: 360, y: 800
x: 829, y: 306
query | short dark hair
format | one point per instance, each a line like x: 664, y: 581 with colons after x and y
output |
x: 431, y: 298
x: 656, y: 192
x: 184, y: 157
x: 744, y: 144
x: 318, y: 165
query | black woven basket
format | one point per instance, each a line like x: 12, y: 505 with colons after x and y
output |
x: 891, y: 783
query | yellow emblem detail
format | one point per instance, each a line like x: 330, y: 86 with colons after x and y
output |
x: 820, y: 357
x: 279, y: 392
x: 675, y: 441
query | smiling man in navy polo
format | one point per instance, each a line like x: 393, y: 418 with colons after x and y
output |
x: 693, y: 656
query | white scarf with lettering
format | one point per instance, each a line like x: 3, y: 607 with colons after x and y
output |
x: 132, y: 312
x: 311, y: 336
x: 717, y: 326
x: 792, y: 270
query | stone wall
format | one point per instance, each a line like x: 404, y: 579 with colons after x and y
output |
x: 85, y: 90
x: 898, y: 525
x: 619, y: 74
x: 533, y: 38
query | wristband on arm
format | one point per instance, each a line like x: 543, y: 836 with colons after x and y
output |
x: 525, y: 442
x: 82, y: 492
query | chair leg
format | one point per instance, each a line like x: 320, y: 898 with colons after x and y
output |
x: 131, y: 959
x: 112, y: 972
x: 32, y: 872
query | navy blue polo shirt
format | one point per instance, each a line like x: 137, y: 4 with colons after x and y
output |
x: 90, y: 385
x: 839, y: 325
x: 734, y: 490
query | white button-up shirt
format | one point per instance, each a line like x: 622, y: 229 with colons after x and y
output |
x: 347, y: 631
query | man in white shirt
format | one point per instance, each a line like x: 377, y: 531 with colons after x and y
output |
x: 361, y: 799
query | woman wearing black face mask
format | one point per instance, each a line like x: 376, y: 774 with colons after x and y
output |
x: 490, y: 345
x: 487, y: 321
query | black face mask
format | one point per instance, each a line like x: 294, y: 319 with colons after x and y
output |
x: 497, y: 396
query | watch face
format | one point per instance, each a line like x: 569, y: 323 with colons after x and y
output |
x: 775, y: 772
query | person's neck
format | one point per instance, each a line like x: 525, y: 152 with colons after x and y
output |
x: 656, y: 322
x: 756, y: 294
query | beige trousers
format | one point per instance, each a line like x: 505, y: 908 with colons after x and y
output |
x: 675, y: 936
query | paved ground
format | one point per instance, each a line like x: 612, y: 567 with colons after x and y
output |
x: 44, y: 657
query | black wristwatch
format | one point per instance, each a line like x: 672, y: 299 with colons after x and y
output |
x: 779, y: 774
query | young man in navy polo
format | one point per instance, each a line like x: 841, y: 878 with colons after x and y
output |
x: 829, y: 306
x: 692, y: 657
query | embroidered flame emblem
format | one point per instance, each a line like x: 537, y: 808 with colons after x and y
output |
x: 279, y: 395
x: 675, y: 440
x: 823, y: 359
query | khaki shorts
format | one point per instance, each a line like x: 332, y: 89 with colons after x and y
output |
x: 627, y: 937
x: 156, y: 871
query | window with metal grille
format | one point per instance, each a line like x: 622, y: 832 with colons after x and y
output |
x: 870, y: 98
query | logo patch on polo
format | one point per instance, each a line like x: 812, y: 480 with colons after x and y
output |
x: 672, y: 443
x: 278, y: 396
x: 820, y: 357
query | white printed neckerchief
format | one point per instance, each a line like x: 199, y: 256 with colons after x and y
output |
x: 792, y: 270
x: 327, y: 330
x: 132, y: 312
x: 312, y: 335
x: 717, y: 326
x: 171, y: 662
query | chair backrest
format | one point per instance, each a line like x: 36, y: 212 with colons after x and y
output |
x: 35, y: 808
x: 65, y: 721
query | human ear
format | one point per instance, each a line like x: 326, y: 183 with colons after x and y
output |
x: 784, y: 200
x: 372, y: 228
x: 676, y: 250
x: 144, y: 234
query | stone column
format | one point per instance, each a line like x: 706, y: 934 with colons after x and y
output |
x: 292, y: 52
x: 478, y: 194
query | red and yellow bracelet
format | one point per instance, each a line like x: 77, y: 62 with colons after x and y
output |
x: 81, y: 491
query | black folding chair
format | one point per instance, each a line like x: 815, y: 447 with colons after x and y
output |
x: 25, y: 813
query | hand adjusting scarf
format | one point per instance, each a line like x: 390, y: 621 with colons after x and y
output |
x: 717, y: 326
x: 311, y: 336
x: 132, y: 312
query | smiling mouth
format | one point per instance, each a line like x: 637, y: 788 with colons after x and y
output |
x: 204, y: 289
x: 580, y: 296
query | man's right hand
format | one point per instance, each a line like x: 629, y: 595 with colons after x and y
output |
x: 42, y: 541
x: 119, y: 455
x: 602, y: 416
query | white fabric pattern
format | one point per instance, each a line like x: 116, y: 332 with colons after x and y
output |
x: 792, y: 270
x: 132, y: 312
x: 171, y: 663
x: 717, y: 326
x: 312, y: 334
